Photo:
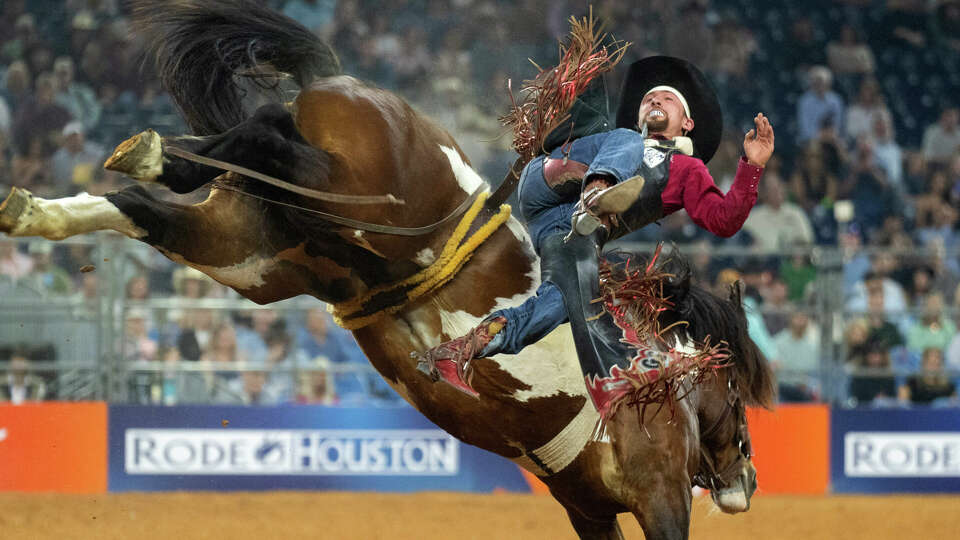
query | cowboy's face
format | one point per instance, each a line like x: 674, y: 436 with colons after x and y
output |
x: 663, y: 114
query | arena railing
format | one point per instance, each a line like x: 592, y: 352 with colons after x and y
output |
x: 92, y: 345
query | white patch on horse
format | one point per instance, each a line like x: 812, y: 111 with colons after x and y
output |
x: 548, y: 367
x: 244, y: 275
x: 520, y: 233
x: 425, y: 257
x: 68, y: 216
x: 468, y: 178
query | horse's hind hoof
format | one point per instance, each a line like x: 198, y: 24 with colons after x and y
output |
x: 12, y: 208
x: 139, y: 157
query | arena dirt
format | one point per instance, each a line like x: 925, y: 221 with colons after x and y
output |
x: 293, y: 515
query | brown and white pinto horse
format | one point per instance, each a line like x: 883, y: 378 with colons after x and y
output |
x: 340, y: 135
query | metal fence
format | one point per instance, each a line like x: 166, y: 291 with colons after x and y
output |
x: 89, y: 344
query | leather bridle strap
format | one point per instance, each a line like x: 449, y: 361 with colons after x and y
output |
x: 276, y: 182
x: 510, y: 181
x: 332, y: 197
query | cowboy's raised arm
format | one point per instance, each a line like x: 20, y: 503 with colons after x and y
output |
x: 707, y: 206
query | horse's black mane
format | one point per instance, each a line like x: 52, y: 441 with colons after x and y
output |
x: 203, y: 48
x: 707, y: 315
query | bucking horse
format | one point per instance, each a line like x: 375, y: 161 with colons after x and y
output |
x: 347, y: 194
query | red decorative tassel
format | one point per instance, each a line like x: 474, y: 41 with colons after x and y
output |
x: 548, y: 97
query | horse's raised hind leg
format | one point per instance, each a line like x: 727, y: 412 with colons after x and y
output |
x: 595, y: 529
x: 228, y: 237
x: 268, y: 142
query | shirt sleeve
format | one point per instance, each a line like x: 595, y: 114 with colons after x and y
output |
x: 691, y: 187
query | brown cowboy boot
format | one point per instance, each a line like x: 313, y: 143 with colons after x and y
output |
x: 449, y: 360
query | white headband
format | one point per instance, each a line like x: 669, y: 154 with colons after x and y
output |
x: 674, y: 91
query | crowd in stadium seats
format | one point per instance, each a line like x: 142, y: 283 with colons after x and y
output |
x: 862, y: 94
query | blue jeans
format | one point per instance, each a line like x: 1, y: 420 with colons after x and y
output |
x: 617, y: 153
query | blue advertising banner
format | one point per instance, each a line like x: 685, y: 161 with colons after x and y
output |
x: 895, y: 451
x: 295, y: 447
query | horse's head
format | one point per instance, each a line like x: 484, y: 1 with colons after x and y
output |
x: 725, y: 466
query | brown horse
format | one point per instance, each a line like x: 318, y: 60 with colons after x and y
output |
x: 404, y: 276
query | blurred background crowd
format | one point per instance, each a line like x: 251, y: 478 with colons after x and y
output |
x: 850, y: 257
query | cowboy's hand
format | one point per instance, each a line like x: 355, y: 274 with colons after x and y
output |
x: 758, y: 143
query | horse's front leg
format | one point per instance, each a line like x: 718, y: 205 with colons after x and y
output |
x: 268, y: 143
x: 655, y: 459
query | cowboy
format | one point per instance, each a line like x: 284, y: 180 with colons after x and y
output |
x: 604, y: 184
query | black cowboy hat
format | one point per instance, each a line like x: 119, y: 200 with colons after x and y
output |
x: 705, y: 110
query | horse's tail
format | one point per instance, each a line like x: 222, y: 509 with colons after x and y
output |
x: 707, y: 315
x: 206, y: 50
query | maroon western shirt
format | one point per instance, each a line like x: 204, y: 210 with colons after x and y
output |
x: 691, y: 187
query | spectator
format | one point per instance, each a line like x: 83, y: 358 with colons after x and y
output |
x: 931, y: 384
x: 941, y: 140
x: 316, y: 385
x: 798, y: 273
x: 941, y: 232
x: 928, y: 203
x: 250, y: 388
x: 196, y: 328
x: 880, y: 329
x: 905, y: 22
x: 776, y: 223
x: 40, y: 118
x: 17, y: 85
x: 318, y: 338
x: 138, y: 344
x: 877, y: 283
x: 76, y: 97
x: 921, y: 286
x: 756, y: 328
x: 933, y: 330
x: 873, y: 382
x: 776, y: 306
x: 849, y: 54
x: 866, y: 185
x: 814, y: 186
x: 24, y: 35
x: 46, y: 276
x: 946, y: 25
x: 817, y: 104
x: 188, y: 282
x: 77, y: 160
x: 803, y: 49
x: 31, y: 169
x: 137, y: 288
x: 887, y: 153
x: 798, y: 362
x: 864, y: 111
x: 13, y: 264
x: 20, y: 385
x: 252, y: 333
x: 222, y: 351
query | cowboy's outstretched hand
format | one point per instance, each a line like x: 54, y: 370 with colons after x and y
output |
x: 758, y: 143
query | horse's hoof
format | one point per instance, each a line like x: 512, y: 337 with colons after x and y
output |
x: 12, y: 208
x: 139, y: 157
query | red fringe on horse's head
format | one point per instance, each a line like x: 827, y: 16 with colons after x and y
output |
x: 202, y: 47
x: 548, y: 97
x: 655, y: 296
